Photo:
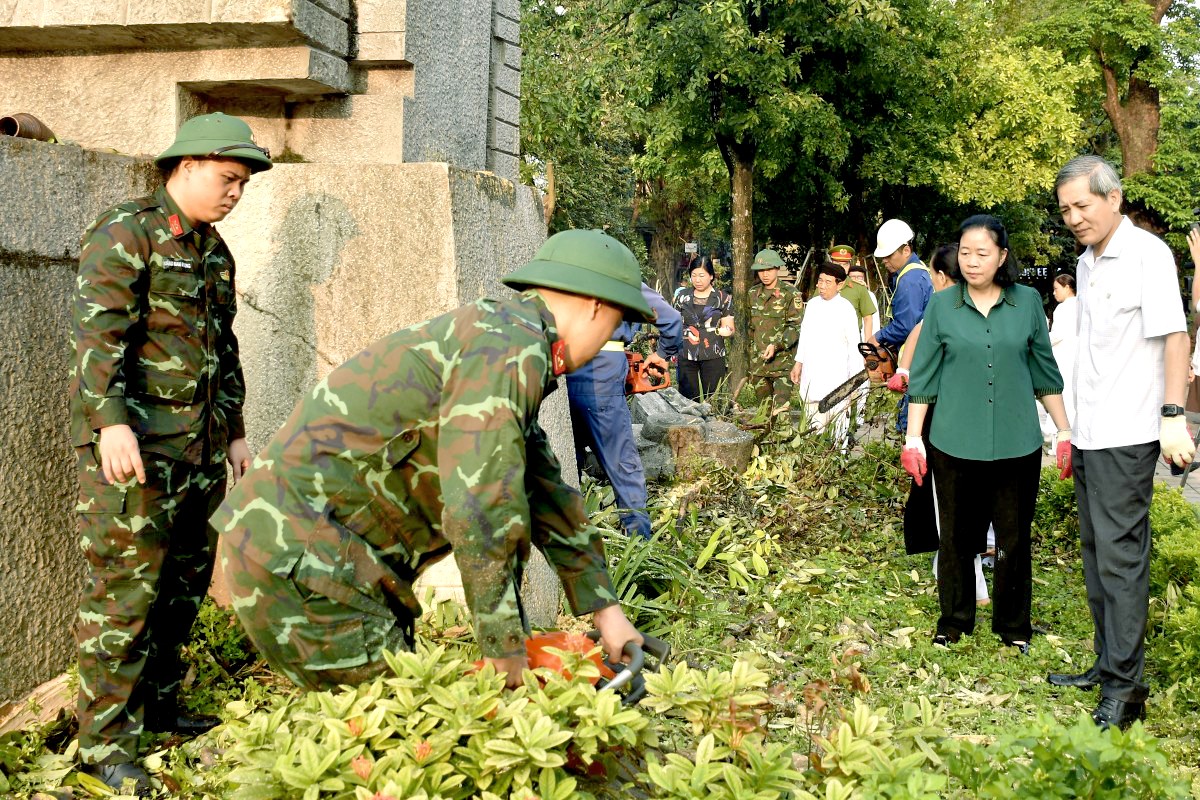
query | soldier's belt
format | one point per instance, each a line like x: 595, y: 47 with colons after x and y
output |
x: 614, y: 347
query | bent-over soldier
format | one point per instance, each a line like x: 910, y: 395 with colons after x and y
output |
x: 156, y: 408
x: 427, y: 442
x: 775, y: 312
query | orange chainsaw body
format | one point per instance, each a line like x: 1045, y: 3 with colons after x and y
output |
x: 642, y: 377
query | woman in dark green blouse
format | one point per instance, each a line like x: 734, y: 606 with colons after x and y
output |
x: 983, y: 357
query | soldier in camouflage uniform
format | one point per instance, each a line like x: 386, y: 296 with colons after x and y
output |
x: 427, y: 442
x: 775, y: 312
x: 156, y: 410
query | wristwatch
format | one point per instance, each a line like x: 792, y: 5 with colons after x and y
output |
x: 1172, y: 410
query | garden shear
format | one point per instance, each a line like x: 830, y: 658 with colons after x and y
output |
x: 630, y: 675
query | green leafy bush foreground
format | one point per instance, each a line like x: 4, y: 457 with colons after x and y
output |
x: 435, y: 729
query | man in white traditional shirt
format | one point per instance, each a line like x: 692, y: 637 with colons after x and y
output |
x: 1130, y: 383
x: 827, y: 353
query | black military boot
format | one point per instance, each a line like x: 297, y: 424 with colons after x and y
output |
x: 176, y: 721
x: 118, y: 776
x: 163, y: 714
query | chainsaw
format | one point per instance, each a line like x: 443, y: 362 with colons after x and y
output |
x: 880, y: 364
x: 643, y: 376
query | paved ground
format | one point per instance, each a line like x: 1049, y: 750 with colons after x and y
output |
x: 1191, y: 491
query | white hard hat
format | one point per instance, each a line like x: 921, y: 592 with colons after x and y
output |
x: 892, y: 235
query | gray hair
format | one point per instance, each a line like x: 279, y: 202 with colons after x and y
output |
x: 1102, y: 178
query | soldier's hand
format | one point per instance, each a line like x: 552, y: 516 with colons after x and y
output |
x: 616, y: 631
x: 512, y: 667
x: 239, y: 458
x: 769, y: 353
x: 119, y: 455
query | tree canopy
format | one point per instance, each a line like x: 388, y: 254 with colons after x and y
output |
x: 811, y: 121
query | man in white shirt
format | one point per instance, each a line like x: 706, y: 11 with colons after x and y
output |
x: 827, y: 352
x: 1130, y: 383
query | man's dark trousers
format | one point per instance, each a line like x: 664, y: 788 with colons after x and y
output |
x: 1114, y: 488
x: 601, y: 420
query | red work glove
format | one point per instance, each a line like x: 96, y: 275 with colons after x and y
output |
x: 912, y: 458
x: 899, y: 381
x: 1062, y: 454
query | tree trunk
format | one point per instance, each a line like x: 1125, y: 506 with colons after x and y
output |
x: 672, y: 227
x: 739, y: 160
x: 664, y: 259
x: 1135, y: 119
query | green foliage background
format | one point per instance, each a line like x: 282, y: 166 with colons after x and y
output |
x: 857, y: 110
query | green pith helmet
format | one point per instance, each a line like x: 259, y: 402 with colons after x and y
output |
x: 218, y: 135
x: 766, y: 259
x: 589, y: 263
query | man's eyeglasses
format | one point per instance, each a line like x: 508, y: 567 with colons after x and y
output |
x: 243, y: 146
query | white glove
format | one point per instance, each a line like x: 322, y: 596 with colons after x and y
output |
x: 1175, y: 441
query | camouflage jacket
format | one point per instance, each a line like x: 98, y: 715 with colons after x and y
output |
x: 774, y: 319
x: 152, y: 318
x: 427, y: 441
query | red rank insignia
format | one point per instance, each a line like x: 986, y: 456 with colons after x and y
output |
x: 558, y: 360
x: 176, y: 225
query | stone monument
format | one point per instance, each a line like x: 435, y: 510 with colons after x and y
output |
x: 394, y: 198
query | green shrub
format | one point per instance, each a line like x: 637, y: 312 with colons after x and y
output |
x: 431, y: 729
x: 217, y: 654
x: 866, y: 756
x: 1050, y: 760
x: 1175, y: 530
x: 724, y: 711
x: 1056, y: 518
x: 1175, y: 651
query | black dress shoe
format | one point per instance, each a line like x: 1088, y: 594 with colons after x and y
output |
x: 1120, y: 713
x: 185, y: 724
x: 1082, y: 680
x: 115, y: 776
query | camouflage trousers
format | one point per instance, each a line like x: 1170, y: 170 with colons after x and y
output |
x: 777, y: 387
x: 150, y: 559
x: 326, y: 622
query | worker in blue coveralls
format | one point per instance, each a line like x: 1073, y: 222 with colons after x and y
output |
x: 600, y: 413
x: 911, y: 289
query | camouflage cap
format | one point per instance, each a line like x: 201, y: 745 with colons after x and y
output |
x: 841, y: 254
x: 213, y: 135
x: 590, y: 263
x: 766, y: 259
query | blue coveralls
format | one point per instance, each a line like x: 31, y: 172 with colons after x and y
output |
x: 908, y: 308
x: 600, y: 414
